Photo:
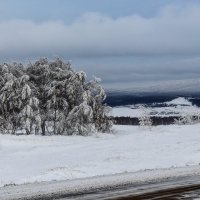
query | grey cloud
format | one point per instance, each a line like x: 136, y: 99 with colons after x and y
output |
x: 127, y: 50
x: 173, y: 31
x: 130, y: 65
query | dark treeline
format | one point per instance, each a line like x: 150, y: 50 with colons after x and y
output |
x: 131, y: 99
x: 155, y: 120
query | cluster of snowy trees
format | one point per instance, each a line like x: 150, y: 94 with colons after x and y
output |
x: 50, y: 98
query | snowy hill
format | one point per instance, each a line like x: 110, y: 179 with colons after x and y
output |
x: 180, y: 101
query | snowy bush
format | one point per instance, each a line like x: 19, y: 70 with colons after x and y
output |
x: 145, y: 119
x: 50, y: 98
x: 188, y: 118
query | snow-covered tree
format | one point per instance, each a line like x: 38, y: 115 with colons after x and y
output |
x: 10, y: 97
x: 15, y: 100
x: 100, y: 111
x: 145, y: 119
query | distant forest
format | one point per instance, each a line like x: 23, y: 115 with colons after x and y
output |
x: 121, y: 99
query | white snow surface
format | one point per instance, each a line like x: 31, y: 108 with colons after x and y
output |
x: 29, y: 159
x: 177, y: 107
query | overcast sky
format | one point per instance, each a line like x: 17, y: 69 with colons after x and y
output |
x: 125, y: 42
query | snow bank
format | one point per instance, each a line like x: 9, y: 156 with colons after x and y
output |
x: 28, y: 159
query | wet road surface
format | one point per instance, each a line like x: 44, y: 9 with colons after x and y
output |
x: 188, y: 189
x: 187, y: 193
x: 182, y: 193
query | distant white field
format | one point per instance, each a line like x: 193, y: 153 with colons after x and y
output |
x: 28, y: 159
x: 177, y: 107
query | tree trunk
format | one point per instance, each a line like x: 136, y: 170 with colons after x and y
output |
x: 54, y: 128
x: 43, y: 127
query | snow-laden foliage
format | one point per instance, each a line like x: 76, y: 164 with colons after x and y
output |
x: 188, y: 118
x: 145, y: 119
x: 50, y: 98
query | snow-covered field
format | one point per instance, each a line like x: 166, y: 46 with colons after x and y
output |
x: 177, y: 107
x: 28, y: 159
